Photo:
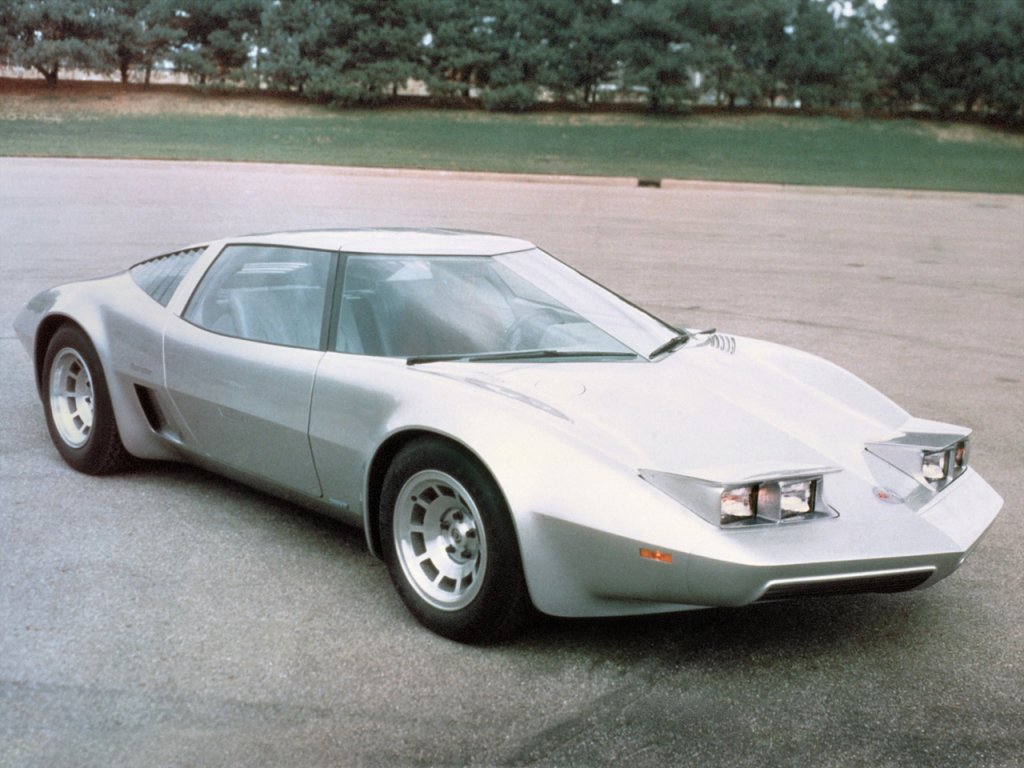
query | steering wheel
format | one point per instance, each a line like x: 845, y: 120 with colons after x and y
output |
x: 514, y: 333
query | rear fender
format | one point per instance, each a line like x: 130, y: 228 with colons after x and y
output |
x: 126, y: 328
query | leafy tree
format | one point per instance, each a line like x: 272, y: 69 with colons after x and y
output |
x: 814, y: 64
x: 497, y: 46
x: 303, y: 45
x: 574, y: 45
x: 387, y: 51
x: 346, y: 50
x: 511, y: 48
x: 869, y: 73
x: 947, y: 54
x: 460, y: 49
x: 48, y: 35
x: 517, y: 46
x: 961, y: 53
x: 930, y: 50
x: 144, y: 32
x: 995, y: 72
x: 658, y: 50
x: 7, y: 29
x: 219, y: 37
x: 742, y: 43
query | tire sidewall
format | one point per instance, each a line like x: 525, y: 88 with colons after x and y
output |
x: 92, y: 456
x: 490, y: 615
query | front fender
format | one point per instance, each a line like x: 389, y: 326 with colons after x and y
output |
x: 363, y: 408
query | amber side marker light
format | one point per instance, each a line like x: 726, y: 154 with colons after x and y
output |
x: 652, y: 554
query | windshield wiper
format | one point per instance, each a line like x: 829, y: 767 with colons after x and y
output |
x: 521, y: 354
x: 677, y: 341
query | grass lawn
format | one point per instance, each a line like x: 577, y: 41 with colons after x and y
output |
x: 784, y: 149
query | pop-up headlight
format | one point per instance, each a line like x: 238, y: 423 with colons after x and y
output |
x: 933, y: 459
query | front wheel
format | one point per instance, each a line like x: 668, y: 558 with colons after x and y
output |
x: 450, y: 544
x: 79, y: 414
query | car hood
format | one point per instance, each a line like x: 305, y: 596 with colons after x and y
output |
x: 732, y: 407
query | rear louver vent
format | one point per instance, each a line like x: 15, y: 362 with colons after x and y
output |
x: 724, y: 343
x: 160, y: 276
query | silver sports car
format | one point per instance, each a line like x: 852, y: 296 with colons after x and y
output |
x: 509, y: 434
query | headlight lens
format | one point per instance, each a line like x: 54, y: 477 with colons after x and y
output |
x: 796, y: 498
x: 770, y: 502
x: 934, y: 466
x: 739, y: 505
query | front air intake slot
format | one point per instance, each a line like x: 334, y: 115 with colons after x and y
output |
x: 900, y: 581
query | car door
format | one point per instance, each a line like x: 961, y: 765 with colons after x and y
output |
x: 241, y: 360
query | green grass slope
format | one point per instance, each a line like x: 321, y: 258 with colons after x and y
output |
x: 783, y: 149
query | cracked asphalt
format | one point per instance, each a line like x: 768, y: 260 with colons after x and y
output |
x: 169, y: 617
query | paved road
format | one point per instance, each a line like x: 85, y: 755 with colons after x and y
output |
x: 171, y: 618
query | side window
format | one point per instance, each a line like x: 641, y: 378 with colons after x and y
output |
x: 265, y: 293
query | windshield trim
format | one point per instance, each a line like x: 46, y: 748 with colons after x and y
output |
x: 520, y: 354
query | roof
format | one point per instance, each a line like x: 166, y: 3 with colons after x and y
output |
x: 426, y: 242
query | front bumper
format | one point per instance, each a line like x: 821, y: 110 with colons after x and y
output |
x: 892, y: 550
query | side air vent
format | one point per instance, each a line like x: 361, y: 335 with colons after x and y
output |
x: 898, y: 581
x: 147, y: 399
x: 160, y: 276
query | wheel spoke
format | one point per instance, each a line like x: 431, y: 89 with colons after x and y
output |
x: 439, y: 538
x: 71, y: 397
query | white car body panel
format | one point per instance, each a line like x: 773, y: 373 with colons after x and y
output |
x: 565, y: 441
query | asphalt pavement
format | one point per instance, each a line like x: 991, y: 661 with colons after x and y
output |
x: 169, y: 617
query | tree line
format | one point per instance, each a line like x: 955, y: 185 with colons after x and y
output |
x: 939, y: 55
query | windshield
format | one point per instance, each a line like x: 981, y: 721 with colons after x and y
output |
x: 481, y: 306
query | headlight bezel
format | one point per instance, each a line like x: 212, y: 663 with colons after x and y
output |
x: 750, y: 499
x: 933, y: 459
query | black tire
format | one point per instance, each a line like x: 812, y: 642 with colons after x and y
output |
x: 76, y: 400
x: 450, y: 544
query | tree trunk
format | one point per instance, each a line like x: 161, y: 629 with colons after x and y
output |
x: 50, y: 75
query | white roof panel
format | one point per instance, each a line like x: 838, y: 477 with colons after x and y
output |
x: 426, y: 242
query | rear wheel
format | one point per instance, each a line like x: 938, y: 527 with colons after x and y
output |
x: 79, y: 414
x: 450, y: 544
